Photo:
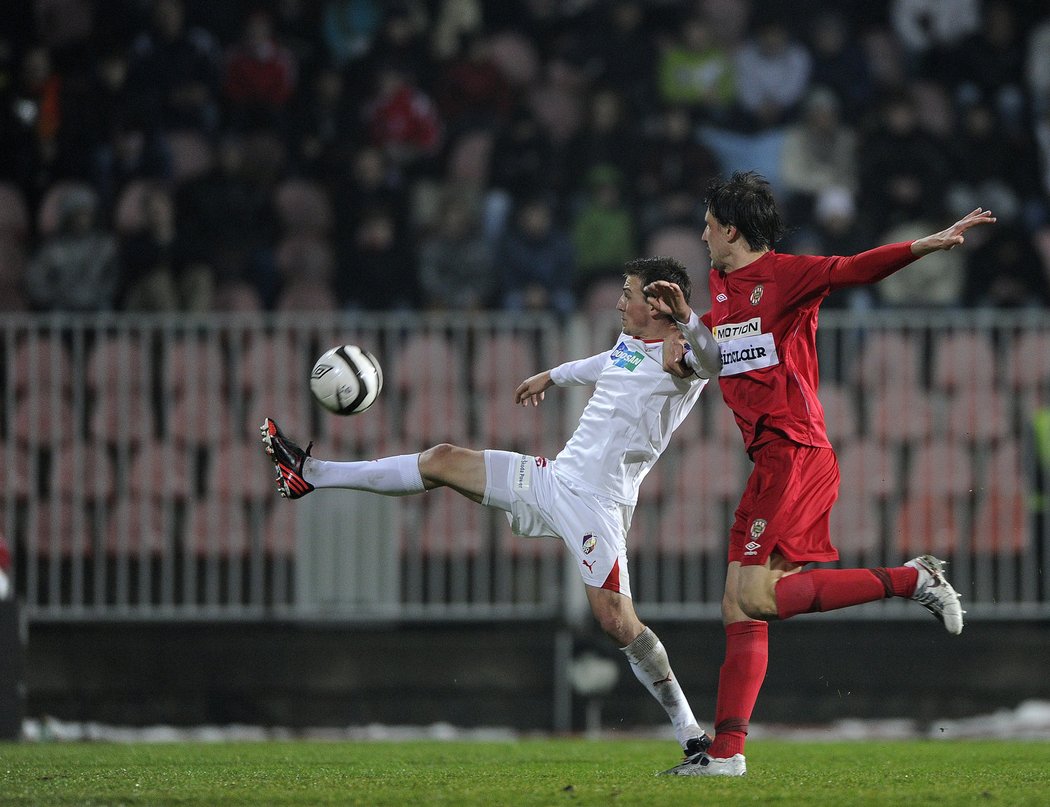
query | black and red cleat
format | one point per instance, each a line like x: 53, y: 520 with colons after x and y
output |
x: 288, y: 459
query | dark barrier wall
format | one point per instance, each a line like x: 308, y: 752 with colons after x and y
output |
x: 502, y: 675
x: 12, y: 685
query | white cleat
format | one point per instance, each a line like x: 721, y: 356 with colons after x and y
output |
x: 935, y: 593
x: 703, y: 765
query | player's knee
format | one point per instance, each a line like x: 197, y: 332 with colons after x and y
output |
x: 617, y: 624
x: 436, y: 460
x: 757, y: 603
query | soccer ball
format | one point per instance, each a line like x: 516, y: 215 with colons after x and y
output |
x: 346, y: 380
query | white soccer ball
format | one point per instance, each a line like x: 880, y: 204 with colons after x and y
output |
x: 346, y: 380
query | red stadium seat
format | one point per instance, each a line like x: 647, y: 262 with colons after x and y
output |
x: 41, y: 422
x: 122, y: 417
x: 57, y: 528
x: 240, y: 471
x: 963, y: 360
x: 931, y: 523
x: 941, y: 467
x: 870, y: 467
x: 120, y: 362
x: 840, y: 413
x: 218, y: 527
x: 194, y: 365
x: 140, y: 526
x: 163, y: 471
x: 81, y: 468
x: 888, y: 359
x: 978, y: 415
x: 899, y: 414
x: 43, y: 366
x: 453, y: 526
x: 268, y: 364
x: 855, y: 525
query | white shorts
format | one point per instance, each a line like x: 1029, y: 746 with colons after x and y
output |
x: 540, y: 504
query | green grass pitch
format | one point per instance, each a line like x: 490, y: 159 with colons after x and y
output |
x: 529, y: 772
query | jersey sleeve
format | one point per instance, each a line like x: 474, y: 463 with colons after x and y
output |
x: 704, y: 356
x: 871, y: 266
x: 815, y: 276
x: 579, y: 371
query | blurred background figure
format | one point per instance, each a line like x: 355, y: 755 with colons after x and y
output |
x: 76, y: 267
x: 536, y: 261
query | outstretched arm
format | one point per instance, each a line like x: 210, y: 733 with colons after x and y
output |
x: 881, y: 262
x: 952, y: 236
x: 531, y: 390
x: 571, y: 373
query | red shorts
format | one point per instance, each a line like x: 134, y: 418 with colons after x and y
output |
x: 786, y: 505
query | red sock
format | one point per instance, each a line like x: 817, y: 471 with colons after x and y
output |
x: 741, y: 677
x: 830, y: 589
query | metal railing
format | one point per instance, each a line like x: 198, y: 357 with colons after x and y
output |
x: 136, y: 487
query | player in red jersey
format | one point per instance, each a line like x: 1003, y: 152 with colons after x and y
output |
x: 764, y: 316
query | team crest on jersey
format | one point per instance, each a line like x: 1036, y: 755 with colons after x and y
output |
x: 624, y: 357
x: 758, y: 526
x: 756, y: 294
x: 589, y: 542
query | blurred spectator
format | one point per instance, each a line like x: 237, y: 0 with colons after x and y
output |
x: 155, y: 276
x: 903, y: 170
x: 471, y: 89
x: 94, y: 105
x: 520, y: 156
x: 622, y: 51
x: 608, y: 137
x: 348, y: 28
x: 698, y: 71
x: 1005, y: 271
x: 373, y: 184
x: 454, y: 20
x: 820, y: 152
x: 134, y: 151
x: 934, y: 284
x: 223, y: 221
x: 261, y: 75
x: 76, y: 267
x: 400, y: 42
x: 840, y: 64
x: 173, y: 75
x: 377, y: 271
x: 35, y: 119
x: 986, y: 172
x: 401, y: 118
x: 673, y: 159
x: 991, y: 62
x: 63, y: 23
x: 933, y: 25
x: 322, y: 125
x: 536, y: 262
x: 455, y: 262
x: 772, y: 74
x: 603, y: 231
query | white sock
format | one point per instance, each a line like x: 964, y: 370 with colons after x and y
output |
x: 391, y: 476
x: 650, y: 666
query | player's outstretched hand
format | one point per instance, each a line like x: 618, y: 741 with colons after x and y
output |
x: 674, y: 356
x: 531, y: 389
x: 952, y: 236
x: 667, y: 298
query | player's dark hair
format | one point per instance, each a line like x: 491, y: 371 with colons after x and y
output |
x: 650, y: 269
x: 745, y: 201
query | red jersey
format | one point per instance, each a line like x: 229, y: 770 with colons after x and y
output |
x: 764, y: 317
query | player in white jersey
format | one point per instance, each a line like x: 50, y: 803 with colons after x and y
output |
x: 586, y: 495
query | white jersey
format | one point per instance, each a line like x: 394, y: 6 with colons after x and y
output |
x: 629, y: 419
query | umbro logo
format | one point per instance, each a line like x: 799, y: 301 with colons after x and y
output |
x: 721, y: 297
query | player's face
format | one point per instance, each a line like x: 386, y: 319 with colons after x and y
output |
x: 717, y: 240
x: 636, y: 315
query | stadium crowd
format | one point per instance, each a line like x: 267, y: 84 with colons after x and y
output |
x: 164, y: 155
